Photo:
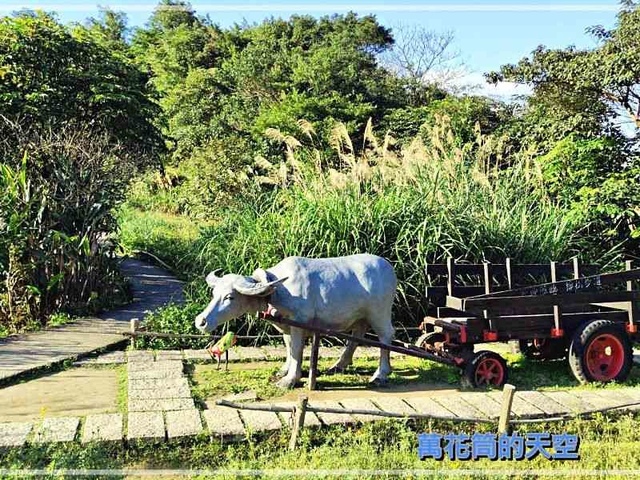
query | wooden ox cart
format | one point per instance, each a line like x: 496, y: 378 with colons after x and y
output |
x: 591, y: 319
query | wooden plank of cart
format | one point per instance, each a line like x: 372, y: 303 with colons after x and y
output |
x: 591, y: 320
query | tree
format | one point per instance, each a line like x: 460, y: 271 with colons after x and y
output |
x: 175, y: 41
x: 109, y: 30
x: 573, y: 120
x: 595, y: 85
x: 423, y: 57
x: 272, y: 75
x: 52, y: 77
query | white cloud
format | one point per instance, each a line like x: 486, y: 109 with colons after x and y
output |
x: 475, y: 83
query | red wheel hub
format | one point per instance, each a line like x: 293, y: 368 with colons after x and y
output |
x: 604, y: 357
x: 489, y: 372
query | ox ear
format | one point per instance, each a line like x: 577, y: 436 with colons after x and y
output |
x: 262, y: 276
x: 249, y: 286
x: 212, y: 279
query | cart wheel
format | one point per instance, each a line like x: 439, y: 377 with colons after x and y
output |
x: 543, y: 348
x: 485, y: 369
x: 600, y: 352
x: 429, y: 338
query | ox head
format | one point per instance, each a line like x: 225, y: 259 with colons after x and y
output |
x: 235, y: 295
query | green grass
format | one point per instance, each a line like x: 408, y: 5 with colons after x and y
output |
x: 610, y: 442
x: 167, y: 236
x: 208, y: 382
x: 417, y: 208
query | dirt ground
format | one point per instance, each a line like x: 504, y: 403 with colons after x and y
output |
x: 78, y: 391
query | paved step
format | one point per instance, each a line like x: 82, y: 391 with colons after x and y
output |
x: 102, y: 428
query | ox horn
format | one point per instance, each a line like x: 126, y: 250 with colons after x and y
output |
x: 248, y: 286
x: 212, y: 278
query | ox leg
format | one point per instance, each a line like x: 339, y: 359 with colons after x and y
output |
x: 296, y: 346
x: 285, y: 368
x: 384, y: 330
x: 347, y: 355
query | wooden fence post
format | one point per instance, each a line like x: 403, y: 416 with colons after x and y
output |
x: 134, y: 324
x: 505, y: 412
x: 299, y: 412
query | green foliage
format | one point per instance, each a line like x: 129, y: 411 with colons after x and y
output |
x: 573, y: 120
x: 267, y: 75
x: 53, y: 216
x: 419, y: 206
x: 53, y: 77
x: 594, y: 84
x: 468, y: 115
x: 168, y: 237
x: 175, y: 319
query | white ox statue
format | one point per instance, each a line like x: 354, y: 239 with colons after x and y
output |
x: 343, y: 294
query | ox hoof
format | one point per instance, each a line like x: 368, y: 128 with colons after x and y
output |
x: 280, y: 373
x: 287, y: 383
x: 379, y: 382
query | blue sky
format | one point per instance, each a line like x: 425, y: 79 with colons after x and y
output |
x: 487, y: 33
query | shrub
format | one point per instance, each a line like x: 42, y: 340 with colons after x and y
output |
x: 55, y: 213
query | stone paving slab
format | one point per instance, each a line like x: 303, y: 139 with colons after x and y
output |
x: 569, y: 401
x: 160, y: 404
x: 326, y: 352
x: 147, y: 425
x: 151, y: 374
x: 274, y: 353
x: 169, y: 355
x: 361, y: 404
x: 158, y: 365
x: 521, y: 408
x: 250, y: 353
x: 110, y: 358
x: 197, y: 355
x: 14, y: 434
x: 223, y: 422
x: 140, y: 356
x: 482, y: 401
x: 160, y: 392
x: 622, y: 397
x: 183, y: 423
x: 597, y: 400
x: 257, y: 421
x: 152, y: 287
x: 332, y: 418
x: 155, y: 383
x: 58, y: 429
x: 547, y: 404
x: 102, y: 427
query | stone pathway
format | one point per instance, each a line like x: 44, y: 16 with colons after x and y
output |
x: 160, y: 406
x: 152, y: 287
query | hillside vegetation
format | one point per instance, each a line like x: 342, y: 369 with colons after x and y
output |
x: 231, y: 148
